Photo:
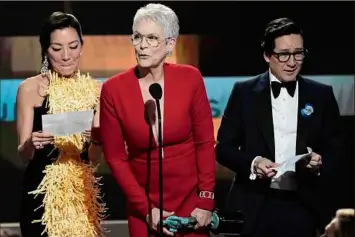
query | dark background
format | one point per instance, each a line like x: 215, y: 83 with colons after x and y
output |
x: 231, y: 33
x: 232, y: 30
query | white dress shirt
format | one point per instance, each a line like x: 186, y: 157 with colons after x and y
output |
x: 284, y: 115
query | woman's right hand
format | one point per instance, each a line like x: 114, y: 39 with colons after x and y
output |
x: 40, y: 139
x: 154, y: 222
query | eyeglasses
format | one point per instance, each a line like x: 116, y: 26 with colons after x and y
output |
x: 152, y: 40
x: 285, y: 56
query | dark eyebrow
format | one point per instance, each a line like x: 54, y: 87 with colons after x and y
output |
x: 74, y: 41
x: 288, y: 50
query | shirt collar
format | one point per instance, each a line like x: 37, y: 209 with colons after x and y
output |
x: 273, y: 77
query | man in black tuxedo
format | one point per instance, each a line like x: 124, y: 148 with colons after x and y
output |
x: 268, y: 120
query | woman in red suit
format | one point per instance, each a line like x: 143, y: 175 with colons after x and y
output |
x: 188, y: 139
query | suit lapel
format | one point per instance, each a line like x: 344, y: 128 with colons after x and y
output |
x: 302, y: 131
x: 262, y: 100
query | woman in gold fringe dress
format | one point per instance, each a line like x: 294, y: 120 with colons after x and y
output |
x: 60, y: 191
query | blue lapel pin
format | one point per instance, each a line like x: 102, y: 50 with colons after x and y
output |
x: 307, y: 110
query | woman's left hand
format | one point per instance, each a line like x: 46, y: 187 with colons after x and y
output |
x: 87, y: 135
x: 203, y: 217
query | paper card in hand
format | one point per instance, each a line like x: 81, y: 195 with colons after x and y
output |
x: 65, y: 124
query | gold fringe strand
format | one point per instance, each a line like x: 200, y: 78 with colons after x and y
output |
x: 72, y: 203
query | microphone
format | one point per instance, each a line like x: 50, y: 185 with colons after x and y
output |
x: 156, y: 92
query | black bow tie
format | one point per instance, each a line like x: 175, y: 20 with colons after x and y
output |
x: 290, y: 87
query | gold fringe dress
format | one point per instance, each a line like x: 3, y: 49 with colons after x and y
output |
x: 64, y: 200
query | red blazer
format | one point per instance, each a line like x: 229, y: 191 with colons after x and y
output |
x: 188, y: 140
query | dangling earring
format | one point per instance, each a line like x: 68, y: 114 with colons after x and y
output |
x: 168, y: 53
x: 44, y: 67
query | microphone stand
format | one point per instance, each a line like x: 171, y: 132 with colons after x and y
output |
x: 147, y: 188
x: 156, y: 92
x: 160, y: 150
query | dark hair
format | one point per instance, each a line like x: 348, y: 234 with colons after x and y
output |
x: 277, y: 28
x: 57, y: 20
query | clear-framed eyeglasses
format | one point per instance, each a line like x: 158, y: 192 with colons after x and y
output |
x: 285, y: 56
x: 151, y: 39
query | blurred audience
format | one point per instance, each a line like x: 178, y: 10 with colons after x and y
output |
x: 4, y: 232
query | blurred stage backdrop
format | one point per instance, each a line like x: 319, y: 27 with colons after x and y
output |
x: 221, y: 39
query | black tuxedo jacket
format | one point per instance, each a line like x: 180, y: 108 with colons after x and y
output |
x: 246, y: 131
